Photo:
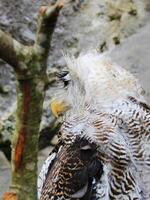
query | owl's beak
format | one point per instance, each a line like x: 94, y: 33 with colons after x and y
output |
x: 57, y: 107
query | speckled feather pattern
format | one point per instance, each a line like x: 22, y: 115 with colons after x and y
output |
x: 122, y: 133
x: 43, y: 173
x: 68, y: 177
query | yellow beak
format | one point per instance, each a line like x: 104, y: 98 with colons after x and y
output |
x: 57, y: 107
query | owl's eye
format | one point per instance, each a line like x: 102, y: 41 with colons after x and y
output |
x: 65, y: 77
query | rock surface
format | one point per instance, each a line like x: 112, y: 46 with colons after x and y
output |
x: 82, y: 25
x: 120, y: 26
x: 133, y: 54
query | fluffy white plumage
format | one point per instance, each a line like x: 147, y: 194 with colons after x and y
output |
x: 97, y: 81
x: 106, y: 108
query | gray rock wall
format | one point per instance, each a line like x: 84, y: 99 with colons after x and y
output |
x: 82, y: 25
x: 120, y: 26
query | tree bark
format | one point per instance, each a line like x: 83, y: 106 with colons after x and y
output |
x: 29, y: 64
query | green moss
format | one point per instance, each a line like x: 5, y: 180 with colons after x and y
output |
x: 25, y: 176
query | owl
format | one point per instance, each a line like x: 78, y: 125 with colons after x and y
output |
x: 102, y: 105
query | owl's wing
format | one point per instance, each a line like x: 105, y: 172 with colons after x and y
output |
x: 121, y: 131
x: 68, y: 174
x: 135, y: 129
x: 127, y: 143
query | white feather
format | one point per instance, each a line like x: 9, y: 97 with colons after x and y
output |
x: 97, y: 80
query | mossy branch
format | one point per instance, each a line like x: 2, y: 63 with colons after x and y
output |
x: 10, y: 50
x: 47, y: 18
x: 30, y: 64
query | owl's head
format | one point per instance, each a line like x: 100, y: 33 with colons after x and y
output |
x: 92, y: 81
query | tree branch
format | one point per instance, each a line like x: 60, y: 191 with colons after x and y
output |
x: 10, y: 50
x: 30, y: 64
x: 47, y: 19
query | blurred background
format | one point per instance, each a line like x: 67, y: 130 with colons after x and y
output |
x: 121, y: 27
